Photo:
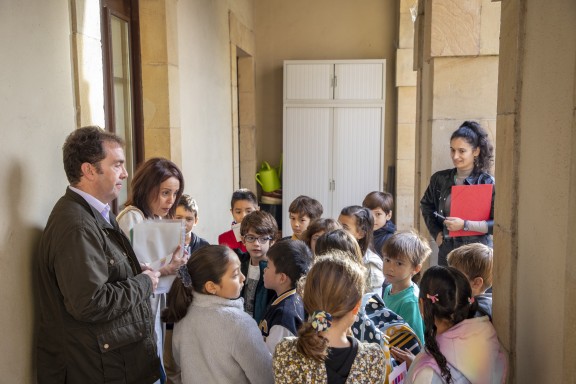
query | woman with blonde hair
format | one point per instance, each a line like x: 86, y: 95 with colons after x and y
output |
x: 324, y: 352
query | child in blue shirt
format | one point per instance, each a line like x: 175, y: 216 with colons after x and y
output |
x: 288, y: 261
x: 404, y: 254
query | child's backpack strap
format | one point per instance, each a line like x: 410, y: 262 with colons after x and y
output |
x: 375, y: 323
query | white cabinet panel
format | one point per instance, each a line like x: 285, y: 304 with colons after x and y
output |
x: 307, y: 163
x: 357, y: 160
x: 308, y: 81
x: 359, y: 81
x: 333, y: 136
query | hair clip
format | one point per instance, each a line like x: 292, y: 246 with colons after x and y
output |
x: 433, y: 298
x: 184, y: 275
x: 321, y: 320
x: 470, y: 300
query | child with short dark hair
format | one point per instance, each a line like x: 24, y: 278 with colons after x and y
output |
x: 460, y: 348
x: 187, y: 210
x: 242, y: 203
x: 381, y: 205
x: 302, y: 211
x: 475, y: 261
x: 215, y: 341
x: 342, y: 240
x: 258, y: 230
x: 404, y: 254
x: 317, y: 228
x: 359, y: 222
x: 288, y: 261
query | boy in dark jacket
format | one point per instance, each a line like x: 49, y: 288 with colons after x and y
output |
x: 381, y: 205
x: 288, y: 261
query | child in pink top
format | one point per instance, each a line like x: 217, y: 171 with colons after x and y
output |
x: 460, y: 348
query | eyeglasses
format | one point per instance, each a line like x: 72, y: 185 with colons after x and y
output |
x: 261, y: 240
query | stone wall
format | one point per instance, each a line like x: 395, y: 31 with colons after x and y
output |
x: 406, y: 79
x: 456, y: 56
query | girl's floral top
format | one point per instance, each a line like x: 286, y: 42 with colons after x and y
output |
x: 371, y: 365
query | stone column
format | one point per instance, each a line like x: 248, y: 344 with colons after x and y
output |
x: 535, y: 248
x: 406, y: 120
x: 160, y: 79
x: 456, y: 55
x: 87, y: 63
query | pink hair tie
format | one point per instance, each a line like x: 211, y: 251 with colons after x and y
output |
x: 470, y: 300
x: 433, y: 298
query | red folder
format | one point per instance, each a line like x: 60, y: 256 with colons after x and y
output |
x: 470, y: 202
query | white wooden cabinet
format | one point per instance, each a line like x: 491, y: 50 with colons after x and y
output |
x: 333, y: 132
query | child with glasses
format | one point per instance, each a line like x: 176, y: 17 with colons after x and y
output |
x: 258, y: 230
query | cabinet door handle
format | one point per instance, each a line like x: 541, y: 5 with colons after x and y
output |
x: 332, y: 185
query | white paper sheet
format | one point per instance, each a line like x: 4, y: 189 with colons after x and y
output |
x: 398, y: 374
x: 154, y: 241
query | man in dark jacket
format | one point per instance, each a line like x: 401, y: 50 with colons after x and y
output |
x: 95, y: 316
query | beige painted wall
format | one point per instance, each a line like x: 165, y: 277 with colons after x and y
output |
x: 36, y: 114
x: 320, y: 29
x: 205, y: 107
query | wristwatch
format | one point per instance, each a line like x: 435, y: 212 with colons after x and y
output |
x: 466, y: 225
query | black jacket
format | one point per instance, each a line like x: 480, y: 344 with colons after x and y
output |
x: 383, y: 234
x: 263, y: 296
x: 439, y: 189
x: 196, y: 242
x: 95, y: 320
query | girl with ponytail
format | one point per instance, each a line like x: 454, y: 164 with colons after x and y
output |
x: 324, y: 351
x: 214, y: 340
x: 459, y: 348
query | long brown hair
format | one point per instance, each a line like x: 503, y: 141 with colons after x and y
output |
x: 335, y: 284
x: 209, y: 263
x: 146, y: 183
